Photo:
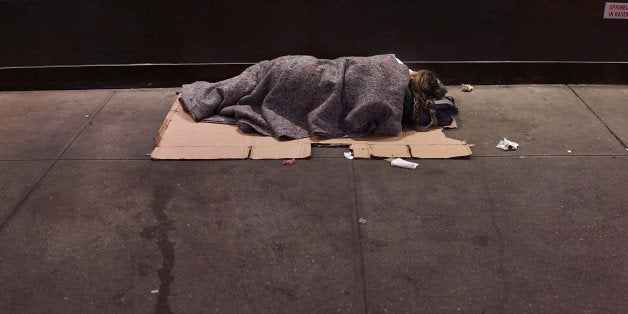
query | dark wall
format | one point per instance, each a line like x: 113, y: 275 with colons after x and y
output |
x: 469, y: 30
x: 474, y: 37
x: 122, y: 32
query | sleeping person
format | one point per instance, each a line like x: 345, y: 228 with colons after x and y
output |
x: 426, y: 102
x: 301, y: 96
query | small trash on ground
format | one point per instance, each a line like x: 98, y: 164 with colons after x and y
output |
x: 154, y: 291
x: 398, y: 162
x: 569, y: 151
x: 349, y: 155
x: 466, y: 87
x: 287, y: 162
x: 362, y: 220
x: 86, y: 116
x: 505, y: 144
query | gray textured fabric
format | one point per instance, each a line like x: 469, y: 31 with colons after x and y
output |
x: 301, y: 96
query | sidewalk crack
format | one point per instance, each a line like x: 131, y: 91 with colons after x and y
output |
x: 360, y: 238
x: 52, y: 165
x: 598, y: 117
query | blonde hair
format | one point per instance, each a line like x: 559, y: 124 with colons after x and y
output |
x: 424, y: 86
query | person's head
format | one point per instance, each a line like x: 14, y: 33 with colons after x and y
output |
x: 425, y: 87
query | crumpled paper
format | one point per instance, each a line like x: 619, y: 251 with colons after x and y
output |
x: 287, y: 162
x: 466, y: 87
x: 398, y: 162
x: 506, y: 144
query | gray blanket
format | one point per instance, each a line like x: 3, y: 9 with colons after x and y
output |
x: 301, y: 96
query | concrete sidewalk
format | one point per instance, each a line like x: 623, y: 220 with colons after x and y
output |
x: 88, y: 223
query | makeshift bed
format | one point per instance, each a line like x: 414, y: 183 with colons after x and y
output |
x: 354, y: 101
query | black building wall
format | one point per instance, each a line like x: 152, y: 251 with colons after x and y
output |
x: 75, y: 44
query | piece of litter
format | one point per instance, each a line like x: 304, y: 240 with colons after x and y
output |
x: 398, y: 162
x: 154, y: 291
x: 466, y: 87
x: 86, y: 116
x: 569, y: 151
x: 287, y: 162
x: 362, y: 220
x: 505, y: 144
x: 349, y: 155
x: 471, y: 145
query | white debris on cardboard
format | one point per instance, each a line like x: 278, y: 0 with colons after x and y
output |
x: 349, y: 155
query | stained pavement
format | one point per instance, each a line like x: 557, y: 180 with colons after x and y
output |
x: 88, y: 223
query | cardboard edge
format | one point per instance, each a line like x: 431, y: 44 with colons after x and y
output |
x: 302, y: 150
x: 363, y: 147
x: 390, y: 150
x: 361, y: 150
x: 452, y: 125
x: 167, y: 119
x: 440, y: 151
x: 200, y: 152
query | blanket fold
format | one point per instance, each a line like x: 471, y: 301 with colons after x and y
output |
x: 301, y: 96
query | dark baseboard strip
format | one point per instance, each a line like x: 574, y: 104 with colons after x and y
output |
x: 499, y: 73
x: 173, y: 75
x: 122, y: 76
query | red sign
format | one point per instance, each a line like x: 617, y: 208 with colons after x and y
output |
x: 616, y: 10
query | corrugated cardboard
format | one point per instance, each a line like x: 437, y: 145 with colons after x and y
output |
x: 180, y: 137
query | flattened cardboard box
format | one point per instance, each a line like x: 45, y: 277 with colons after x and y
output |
x: 180, y: 137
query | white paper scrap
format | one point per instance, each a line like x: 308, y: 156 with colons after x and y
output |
x: 403, y: 163
x: 505, y: 144
x: 349, y: 155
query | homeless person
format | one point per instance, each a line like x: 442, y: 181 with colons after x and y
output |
x: 293, y: 97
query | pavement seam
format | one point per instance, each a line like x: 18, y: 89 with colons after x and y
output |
x: 548, y: 155
x: 597, y: 116
x: 356, y: 218
x: 88, y: 123
x: 55, y: 161
x: 10, y: 216
x: 371, y: 159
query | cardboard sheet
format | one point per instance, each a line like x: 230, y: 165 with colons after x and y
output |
x: 180, y: 137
